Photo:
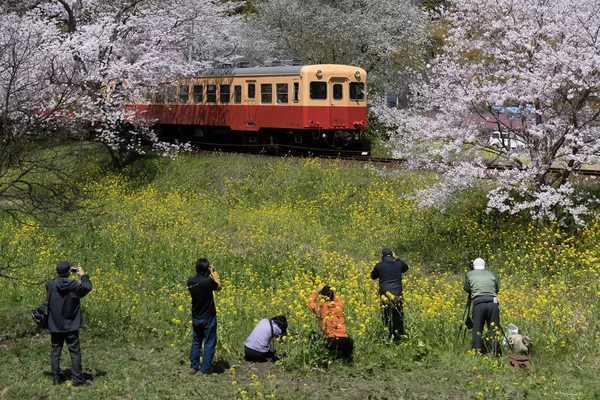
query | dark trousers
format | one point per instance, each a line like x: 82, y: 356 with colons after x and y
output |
x: 72, y: 339
x: 257, y: 356
x: 485, y: 313
x: 393, y: 318
x: 341, y: 347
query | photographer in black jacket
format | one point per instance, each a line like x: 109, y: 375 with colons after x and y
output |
x: 389, y: 272
x: 64, y: 319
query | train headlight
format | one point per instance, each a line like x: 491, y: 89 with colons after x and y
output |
x: 319, y: 74
x: 357, y: 74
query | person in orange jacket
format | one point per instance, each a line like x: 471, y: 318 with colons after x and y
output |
x: 330, y: 313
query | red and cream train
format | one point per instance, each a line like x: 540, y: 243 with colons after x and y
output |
x: 300, y: 106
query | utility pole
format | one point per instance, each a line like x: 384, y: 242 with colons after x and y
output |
x: 191, y: 42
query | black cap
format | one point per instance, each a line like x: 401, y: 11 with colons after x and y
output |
x: 326, y: 291
x: 386, y: 252
x: 63, y: 268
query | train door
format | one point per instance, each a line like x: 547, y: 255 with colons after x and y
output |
x: 296, y: 109
x: 251, y: 103
x: 338, y: 101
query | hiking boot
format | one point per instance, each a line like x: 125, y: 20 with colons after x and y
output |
x: 84, y: 383
x: 57, y: 382
x: 192, y: 371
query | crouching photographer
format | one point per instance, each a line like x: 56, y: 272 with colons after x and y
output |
x: 257, y: 347
x: 329, y: 310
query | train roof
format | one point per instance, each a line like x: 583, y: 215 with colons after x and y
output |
x: 278, y: 70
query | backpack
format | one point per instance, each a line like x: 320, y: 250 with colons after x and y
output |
x: 40, y: 314
x: 520, y: 344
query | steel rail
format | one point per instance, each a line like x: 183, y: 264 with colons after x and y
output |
x: 352, y: 155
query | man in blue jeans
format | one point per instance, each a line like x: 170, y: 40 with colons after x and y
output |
x: 204, y: 316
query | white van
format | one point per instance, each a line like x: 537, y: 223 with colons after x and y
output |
x: 505, y: 140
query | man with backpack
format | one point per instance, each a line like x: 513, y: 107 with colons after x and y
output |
x: 64, y: 319
x: 483, y: 288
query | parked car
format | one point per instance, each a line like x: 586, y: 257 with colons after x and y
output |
x: 505, y: 140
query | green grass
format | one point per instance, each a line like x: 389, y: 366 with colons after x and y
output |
x: 275, y: 229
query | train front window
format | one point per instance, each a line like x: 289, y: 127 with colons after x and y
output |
x: 266, y: 93
x: 172, y: 94
x: 224, y: 93
x: 338, y: 91
x: 211, y: 93
x: 282, y: 93
x: 198, y: 94
x: 251, y: 91
x: 357, y: 91
x: 318, y: 90
x: 184, y: 94
x: 237, y: 94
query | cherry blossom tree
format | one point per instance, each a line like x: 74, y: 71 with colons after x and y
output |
x: 529, y: 70
x: 111, y: 50
x: 36, y: 90
x: 379, y: 35
x: 122, y: 46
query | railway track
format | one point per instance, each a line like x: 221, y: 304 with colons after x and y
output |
x: 280, y: 150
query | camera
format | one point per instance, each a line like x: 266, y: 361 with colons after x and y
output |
x: 73, y: 269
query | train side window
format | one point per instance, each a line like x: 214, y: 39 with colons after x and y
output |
x: 338, y: 91
x: 251, y: 90
x: 318, y: 90
x: 211, y: 93
x: 171, y: 94
x: 225, y: 93
x: 266, y: 93
x: 198, y: 94
x: 282, y: 93
x: 148, y: 96
x: 237, y: 94
x: 357, y: 91
x: 184, y: 94
x: 296, y: 92
x: 160, y: 95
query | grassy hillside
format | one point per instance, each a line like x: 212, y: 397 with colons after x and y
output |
x: 275, y: 230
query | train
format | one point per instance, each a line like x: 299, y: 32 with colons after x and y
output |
x: 311, y: 107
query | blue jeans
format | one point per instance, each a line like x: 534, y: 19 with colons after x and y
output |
x: 203, y: 330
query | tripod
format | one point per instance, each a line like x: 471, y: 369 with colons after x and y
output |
x: 496, y: 345
x: 467, y: 322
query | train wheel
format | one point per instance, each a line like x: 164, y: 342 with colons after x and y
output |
x: 338, y: 139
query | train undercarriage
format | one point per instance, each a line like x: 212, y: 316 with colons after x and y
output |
x: 272, y: 141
